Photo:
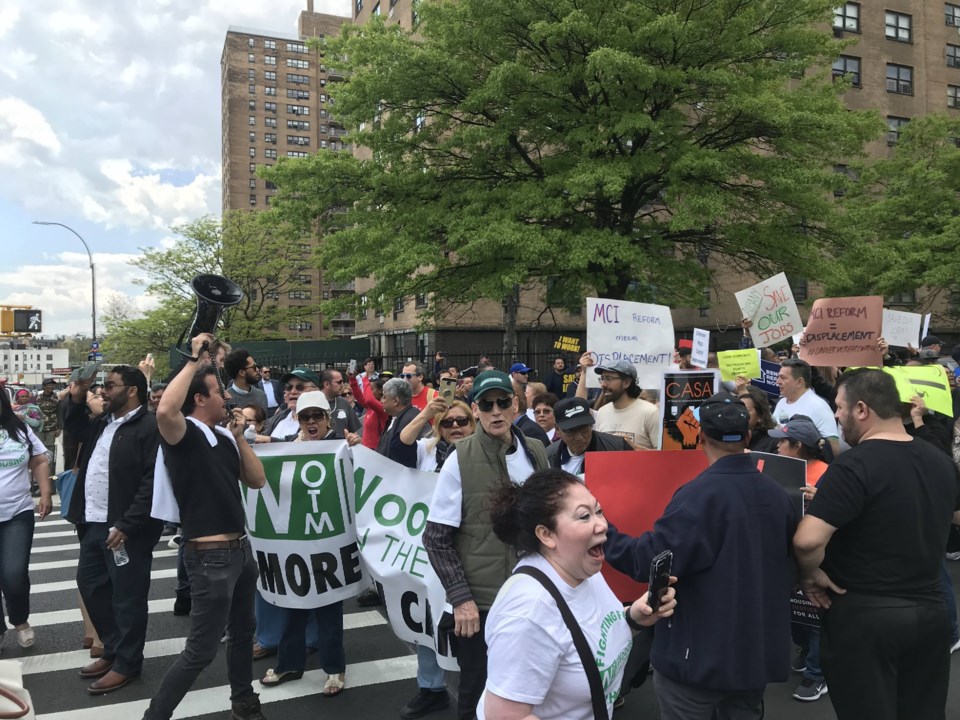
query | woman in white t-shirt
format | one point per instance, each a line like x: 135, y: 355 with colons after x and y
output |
x: 533, y: 667
x: 450, y: 423
x: 21, y: 455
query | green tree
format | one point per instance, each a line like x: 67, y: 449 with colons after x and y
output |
x: 903, y: 215
x: 603, y: 147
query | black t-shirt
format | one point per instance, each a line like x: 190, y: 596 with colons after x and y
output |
x: 206, y: 483
x: 891, y: 503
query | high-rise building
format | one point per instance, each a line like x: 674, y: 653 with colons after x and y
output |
x: 275, y: 103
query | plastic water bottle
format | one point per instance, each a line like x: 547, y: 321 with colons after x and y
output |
x: 120, y: 556
x: 250, y: 434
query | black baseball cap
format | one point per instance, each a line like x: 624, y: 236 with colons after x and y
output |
x: 930, y: 340
x: 572, y: 413
x: 725, y: 418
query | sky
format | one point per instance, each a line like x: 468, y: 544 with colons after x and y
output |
x: 110, y: 124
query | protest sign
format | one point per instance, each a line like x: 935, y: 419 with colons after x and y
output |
x: 802, y: 611
x: 790, y: 473
x: 681, y: 395
x: 844, y: 332
x: 391, y: 517
x: 637, y: 332
x: 743, y: 363
x: 930, y: 382
x: 699, y: 357
x: 901, y: 328
x: 768, y: 381
x: 633, y: 489
x: 926, y: 326
x: 301, y: 527
x: 771, y: 308
x: 565, y: 343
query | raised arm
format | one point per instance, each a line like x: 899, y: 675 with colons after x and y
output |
x: 409, y: 435
x: 170, y: 420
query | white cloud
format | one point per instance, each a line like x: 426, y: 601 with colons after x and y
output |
x: 9, y: 16
x: 21, y: 121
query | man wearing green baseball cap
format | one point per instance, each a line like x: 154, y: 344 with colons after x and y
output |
x: 470, y: 561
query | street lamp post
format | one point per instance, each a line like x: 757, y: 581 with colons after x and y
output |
x: 93, y: 274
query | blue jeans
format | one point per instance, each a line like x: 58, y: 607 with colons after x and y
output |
x: 16, y: 542
x: 116, y: 597
x: 951, y: 603
x: 223, y: 584
x: 293, y: 645
x: 429, y: 673
x: 271, y: 621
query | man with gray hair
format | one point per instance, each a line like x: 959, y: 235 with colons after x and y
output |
x: 398, y: 404
x: 422, y: 395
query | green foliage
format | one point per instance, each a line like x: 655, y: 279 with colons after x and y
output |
x: 903, y: 215
x: 605, y: 146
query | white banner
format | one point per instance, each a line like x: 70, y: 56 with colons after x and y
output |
x: 637, y: 332
x: 770, y: 305
x: 301, y: 526
x: 901, y: 328
x: 391, y: 516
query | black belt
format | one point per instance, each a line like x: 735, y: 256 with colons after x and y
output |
x: 239, y: 542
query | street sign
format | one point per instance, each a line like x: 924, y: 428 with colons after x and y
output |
x: 27, y: 321
x: 94, y: 346
x: 95, y: 356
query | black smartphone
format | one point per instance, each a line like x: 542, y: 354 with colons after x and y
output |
x: 660, y: 568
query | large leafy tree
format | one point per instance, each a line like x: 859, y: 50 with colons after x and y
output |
x: 598, y: 147
x: 903, y: 215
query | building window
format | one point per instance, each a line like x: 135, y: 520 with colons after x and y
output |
x: 270, y: 153
x: 270, y: 122
x: 253, y: 167
x: 252, y: 89
x: 270, y: 44
x: 270, y: 138
x: 302, y: 279
x: 952, y: 14
x: 271, y: 294
x: 323, y: 128
x: 251, y: 42
x: 420, y: 300
x: 953, y: 56
x: 253, y: 183
x: 251, y: 57
x: 251, y: 105
x: 270, y: 59
x: 253, y: 137
x: 847, y: 66
x: 296, y: 47
x: 895, y: 126
x: 358, y: 6
x: 270, y: 185
x: 953, y: 96
x: 898, y: 26
x: 298, y: 326
x: 300, y: 294
x: 251, y: 74
x: 270, y: 75
x: 847, y: 17
x: 270, y: 91
x: 252, y: 120
x: 298, y: 79
x: 253, y: 152
x: 298, y: 94
x: 253, y: 199
x: 375, y: 11
x: 270, y: 107
x: 296, y: 154
x: 298, y: 140
x: 799, y: 288
x: 323, y: 98
x: 299, y: 64
x: 899, y: 79
x: 904, y: 298
x: 298, y: 124
x: 398, y: 305
x: 298, y: 109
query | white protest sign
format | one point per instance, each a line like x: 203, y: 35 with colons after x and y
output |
x: 391, y: 516
x: 701, y: 348
x: 901, y: 328
x: 771, y: 308
x: 926, y: 326
x: 301, y: 527
x: 640, y: 333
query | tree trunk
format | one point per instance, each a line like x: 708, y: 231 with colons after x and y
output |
x: 511, y: 305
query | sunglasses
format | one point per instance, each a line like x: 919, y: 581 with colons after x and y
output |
x: 299, y: 387
x: 311, y: 417
x: 502, y: 402
x: 454, y: 422
x: 349, y: 394
x: 407, y: 376
x: 110, y: 385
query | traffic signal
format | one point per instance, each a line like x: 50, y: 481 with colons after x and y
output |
x: 27, y: 321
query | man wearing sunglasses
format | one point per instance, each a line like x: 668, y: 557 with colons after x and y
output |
x: 422, y: 395
x: 243, y: 370
x: 470, y: 561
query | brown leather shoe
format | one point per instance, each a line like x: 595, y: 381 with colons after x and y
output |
x: 98, y: 668
x: 109, y: 682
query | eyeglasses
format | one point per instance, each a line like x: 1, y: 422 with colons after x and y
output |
x: 311, y: 417
x: 111, y: 385
x: 454, y: 421
x: 502, y: 402
x: 610, y: 378
x: 407, y: 376
x: 298, y: 387
x: 347, y: 394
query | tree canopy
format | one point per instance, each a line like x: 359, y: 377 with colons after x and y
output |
x: 597, y: 147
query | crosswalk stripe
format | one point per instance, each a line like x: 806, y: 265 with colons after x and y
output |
x: 72, y: 584
x: 55, y: 534
x: 60, y: 564
x: 55, y: 548
x: 217, y: 699
x: 75, y: 659
x: 48, y: 522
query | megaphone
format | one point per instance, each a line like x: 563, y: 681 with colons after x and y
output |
x: 214, y: 295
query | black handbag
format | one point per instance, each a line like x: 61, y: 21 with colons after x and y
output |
x: 579, y: 641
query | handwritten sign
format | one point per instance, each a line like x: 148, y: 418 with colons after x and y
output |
x: 745, y: 363
x: 701, y: 348
x: 928, y: 381
x: 568, y: 344
x: 844, y: 332
x: 681, y: 395
x: 771, y: 307
x: 637, y: 332
x: 901, y: 328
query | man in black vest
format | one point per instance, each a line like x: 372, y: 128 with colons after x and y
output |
x: 577, y: 436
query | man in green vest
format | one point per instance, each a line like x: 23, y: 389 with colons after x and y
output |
x: 469, y: 560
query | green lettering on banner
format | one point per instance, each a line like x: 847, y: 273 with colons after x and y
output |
x: 363, y: 492
x: 301, y: 500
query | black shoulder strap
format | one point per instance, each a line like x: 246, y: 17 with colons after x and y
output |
x: 579, y: 641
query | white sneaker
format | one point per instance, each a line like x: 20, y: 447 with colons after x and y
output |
x: 955, y: 647
x: 174, y: 542
x: 952, y: 555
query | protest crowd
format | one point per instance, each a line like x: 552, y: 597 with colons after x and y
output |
x: 833, y: 567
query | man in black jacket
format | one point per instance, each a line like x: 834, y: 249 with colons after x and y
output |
x: 577, y: 436
x: 111, y: 508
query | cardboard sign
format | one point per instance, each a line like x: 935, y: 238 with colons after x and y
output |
x: 637, y: 332
x: 743, y: 363
x: 701, y: 348
x: 568, y: 344
x: 790, y: 473
x: 681, y: 395
x: 843, y: 332
x: 930, y: 382
x: 901, y: 328
x: 768, y: 381
x: 771, y: 307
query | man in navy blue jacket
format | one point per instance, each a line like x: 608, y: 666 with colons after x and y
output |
x: 730, y: 530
